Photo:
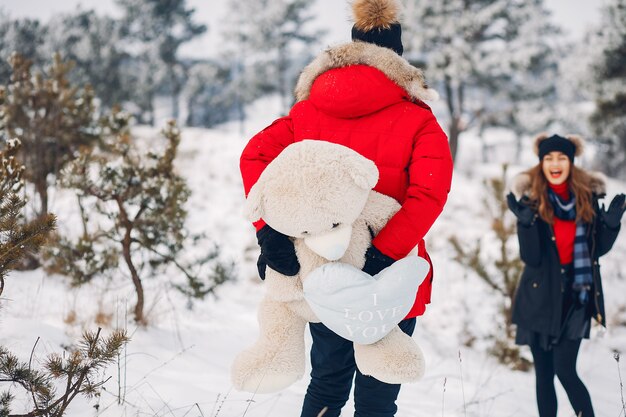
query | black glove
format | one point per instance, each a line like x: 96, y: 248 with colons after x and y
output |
x: 277, y: 252
x: 612, y: 217
x: 524, y: 213
x: 376, y: 261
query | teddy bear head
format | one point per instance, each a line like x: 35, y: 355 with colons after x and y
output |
x: 314, y: 190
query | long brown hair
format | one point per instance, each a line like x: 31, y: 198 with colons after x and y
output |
x: 579, y: 184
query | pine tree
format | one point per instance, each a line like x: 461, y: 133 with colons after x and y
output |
x: 52, y: 118
x: 78, y: 370
x: 24, y: 36
x: 501, y: 274
x: 211, y: 95
x: 17, y: 238
x: 82, y: 366
x: 272, y: 41
x: 158, y: 28
x: 143, y: 199
x: 484, y: 58
x: 524, y: 98
x: 609, y: 119
x: 93, y: 43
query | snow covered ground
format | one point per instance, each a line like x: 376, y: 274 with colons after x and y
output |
x: 179, y: 365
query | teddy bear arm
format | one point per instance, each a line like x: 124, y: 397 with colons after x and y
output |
x: 283, y: 288
x: 378, y: 210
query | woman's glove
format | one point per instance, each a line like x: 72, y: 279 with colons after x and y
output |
x: 612, y: 217
x: 277, y: 252
x: 524, y: 213
x: 376, y: 261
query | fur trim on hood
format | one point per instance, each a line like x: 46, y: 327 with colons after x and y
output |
x: 396, y: 68
x: 520, y: 184
x: 578, y: 141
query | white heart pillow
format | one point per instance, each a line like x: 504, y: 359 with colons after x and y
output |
x: 359, y: 307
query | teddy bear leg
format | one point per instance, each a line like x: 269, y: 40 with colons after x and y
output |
x: 277, y: 359
x: 394, y: 359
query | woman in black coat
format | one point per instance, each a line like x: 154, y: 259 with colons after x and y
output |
x: 562, y: 232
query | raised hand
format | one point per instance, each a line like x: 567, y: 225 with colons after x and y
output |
x: 524, y: 213
x: 612, y: 217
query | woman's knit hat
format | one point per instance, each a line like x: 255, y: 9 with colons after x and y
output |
x: 570, y: 145
x: 376, y: 21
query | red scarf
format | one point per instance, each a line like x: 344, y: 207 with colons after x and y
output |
x: 564, y: 231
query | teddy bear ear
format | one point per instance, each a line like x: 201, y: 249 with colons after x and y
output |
x: 253, y: 209
x: 363, y: 172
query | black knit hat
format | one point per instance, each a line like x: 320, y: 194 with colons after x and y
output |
x: 376, y: 22
x: 557, y: 143
x: 388, y: 38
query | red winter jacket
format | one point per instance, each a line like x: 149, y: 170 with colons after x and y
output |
x: 368, y: 98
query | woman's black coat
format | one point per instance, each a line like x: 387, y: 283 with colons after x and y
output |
x: 539, y: 297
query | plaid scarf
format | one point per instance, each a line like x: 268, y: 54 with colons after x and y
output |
x: 566, y: 210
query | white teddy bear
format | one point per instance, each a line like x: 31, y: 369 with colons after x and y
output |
x: 321, y: 194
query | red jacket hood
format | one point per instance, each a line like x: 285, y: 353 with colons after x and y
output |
x: 359, y: 78
x: 354, y: 91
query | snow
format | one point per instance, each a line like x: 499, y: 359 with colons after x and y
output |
x: 179, y: 365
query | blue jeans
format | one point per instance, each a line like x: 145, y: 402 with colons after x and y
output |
x: 332, y: 360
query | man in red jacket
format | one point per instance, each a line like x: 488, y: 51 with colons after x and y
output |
x: 365, y: 96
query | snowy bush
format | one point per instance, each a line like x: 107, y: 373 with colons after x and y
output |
x: 78, y: 370
x: 17, y: 238
x: 501, y: 272
x: 51, y: 117
x: 133, y: 209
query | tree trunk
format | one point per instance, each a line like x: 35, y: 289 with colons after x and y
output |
x: 41, y: 187
x: 518, y: 147
x: 238, y: 75
x: 139, y: 318
x: 151, y: 117
x: 175, y: 94
x: 454, y: 130
x: 484, y: 148
x: 455, y: 110
x: 135, y: 276
x: 126, y: 242
x: 175, y: 107
x: 508, y: 323
x: 242, y: 115
x: 281, y: 65
x: 83, y: 216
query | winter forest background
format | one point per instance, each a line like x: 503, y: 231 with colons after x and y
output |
x: 127, y: 271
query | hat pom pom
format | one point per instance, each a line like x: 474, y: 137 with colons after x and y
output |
x: 371, y: 14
